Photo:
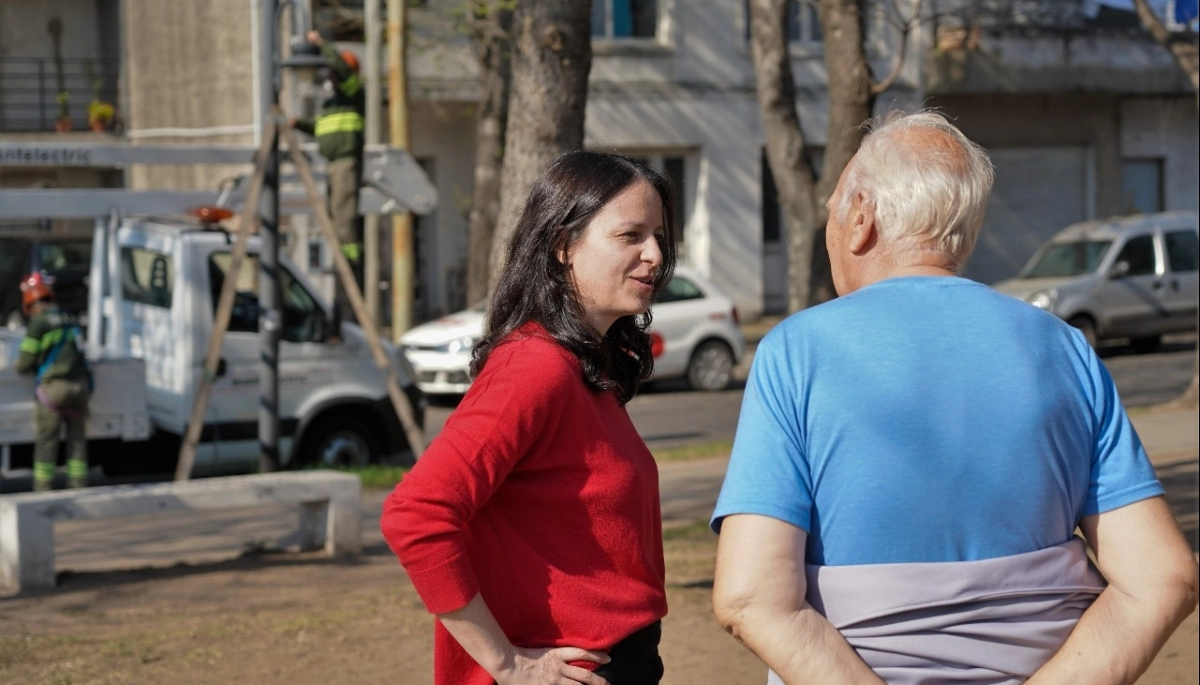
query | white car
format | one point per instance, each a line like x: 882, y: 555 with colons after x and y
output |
x: 694, y: 333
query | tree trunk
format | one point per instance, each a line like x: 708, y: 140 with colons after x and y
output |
x: 1184, y: 50
x: 551, y: 59
x: 491, y: 38
x: 787, y: 152
x: 851, y: 100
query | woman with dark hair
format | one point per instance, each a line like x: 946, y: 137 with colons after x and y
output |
x: 531, y: 525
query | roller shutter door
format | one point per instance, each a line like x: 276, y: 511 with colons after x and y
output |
x: 1038, y: 192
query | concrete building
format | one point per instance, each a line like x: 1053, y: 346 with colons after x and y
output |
x: 1084, y: 115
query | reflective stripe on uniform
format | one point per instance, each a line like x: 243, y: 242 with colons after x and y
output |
x: 352, y: 251
x: 77, y: 468
x: 43, y: 470
x: 352, y: 85
x: 34, y: 345
x: 339, y: 122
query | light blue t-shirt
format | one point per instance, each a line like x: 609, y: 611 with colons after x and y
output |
x: 928, y: 419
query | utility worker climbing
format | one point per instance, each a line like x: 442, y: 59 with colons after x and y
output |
x: 52, y: 350
x: 339, y: 132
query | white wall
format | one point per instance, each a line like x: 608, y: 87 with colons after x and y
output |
x: 444, y: 134
x: 724, y: 236
x: 1166, y: 127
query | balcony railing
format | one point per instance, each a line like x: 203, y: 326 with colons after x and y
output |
x: 32, y: 92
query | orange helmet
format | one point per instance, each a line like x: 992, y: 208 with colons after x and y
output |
x: 350, y: 60
x: 34, y: 289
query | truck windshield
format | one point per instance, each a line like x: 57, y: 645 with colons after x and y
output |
x: 1068, y: 259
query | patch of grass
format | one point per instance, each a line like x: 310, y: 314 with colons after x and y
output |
x: 697, y: 530
x: 378, y: 475
x: 702, y: 450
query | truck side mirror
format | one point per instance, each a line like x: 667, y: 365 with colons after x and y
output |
x: 1119, y: 270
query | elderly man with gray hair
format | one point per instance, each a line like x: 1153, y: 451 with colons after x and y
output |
x: 913, y: 458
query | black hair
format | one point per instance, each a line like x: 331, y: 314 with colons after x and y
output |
x: 536, y: 286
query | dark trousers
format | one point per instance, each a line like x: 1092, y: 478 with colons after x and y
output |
x: 635, y: 659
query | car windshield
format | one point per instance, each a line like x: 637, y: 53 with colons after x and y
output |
x: 65, y: 256
x: 1068, y: 259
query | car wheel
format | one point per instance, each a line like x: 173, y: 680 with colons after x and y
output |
x: 341, y: 442
x: 1087, y: 327
x: 711, y: 366
x: 1145, y: 344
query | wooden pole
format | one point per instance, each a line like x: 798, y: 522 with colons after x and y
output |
x: 247, y: 224
x: 416, y: 436
x: 402, y: 223
x: 373, y: 134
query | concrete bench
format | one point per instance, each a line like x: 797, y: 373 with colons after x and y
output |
x: 329, y: 502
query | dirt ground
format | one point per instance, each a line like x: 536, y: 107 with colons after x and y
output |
x: 297, y: 619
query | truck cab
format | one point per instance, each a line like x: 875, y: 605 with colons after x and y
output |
x: 155, y: 283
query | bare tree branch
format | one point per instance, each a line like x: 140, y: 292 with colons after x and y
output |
x: 1182, y: 48
x: 904, y: 25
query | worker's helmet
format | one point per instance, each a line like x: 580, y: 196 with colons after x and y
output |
x: 350, y: 60
x: 34, y: 289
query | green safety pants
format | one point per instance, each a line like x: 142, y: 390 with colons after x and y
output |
x: 70, y: 400
x: 343, y: 176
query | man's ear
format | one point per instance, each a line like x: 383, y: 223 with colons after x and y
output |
x: 862, y: 225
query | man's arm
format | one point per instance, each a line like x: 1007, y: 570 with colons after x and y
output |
x: 758, y: 596
x: 1152, y: 579
x: 31, y: 345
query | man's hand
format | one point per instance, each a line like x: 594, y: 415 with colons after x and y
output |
x: 314, y: 37
x: 1152, y: 586
x: 550, y: 667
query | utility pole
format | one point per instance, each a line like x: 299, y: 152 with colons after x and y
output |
x: 268, y: 257
x: 402, y: 232
x: 373, y: 134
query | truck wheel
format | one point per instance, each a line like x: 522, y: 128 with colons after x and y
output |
x: 341, y: 442
x: 1085, y: 326
x: 711, y: 366
x: 1145, y: 344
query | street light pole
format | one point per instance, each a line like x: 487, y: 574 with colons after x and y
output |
x: 268, y: 255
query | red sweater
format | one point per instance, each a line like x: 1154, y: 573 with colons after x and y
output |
x: 540, y: 495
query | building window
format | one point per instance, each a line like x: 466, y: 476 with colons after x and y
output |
x: 673, y: 168
x: 803, y: 22
x: 614, y: 19
x: 1141, y: 185
x: 772, y: 213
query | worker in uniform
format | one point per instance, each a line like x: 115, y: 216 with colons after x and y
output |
x: 339, y: 133
x: 52, y: 349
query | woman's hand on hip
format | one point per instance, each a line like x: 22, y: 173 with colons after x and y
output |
x: 551, y: 667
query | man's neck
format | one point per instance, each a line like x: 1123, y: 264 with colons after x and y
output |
x: 908, y: 264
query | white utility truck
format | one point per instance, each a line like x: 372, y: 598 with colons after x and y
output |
x: 153, y: 289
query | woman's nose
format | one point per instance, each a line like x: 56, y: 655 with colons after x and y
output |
x: 652, y: 252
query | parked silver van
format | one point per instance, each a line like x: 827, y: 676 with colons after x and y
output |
x: 1127, y: 277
